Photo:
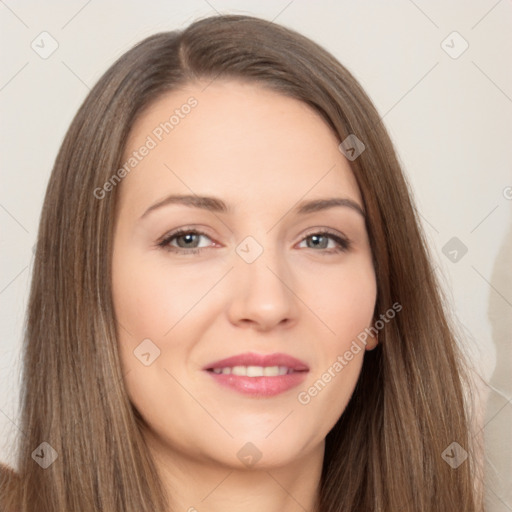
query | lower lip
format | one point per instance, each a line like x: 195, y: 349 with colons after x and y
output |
x: 260, y: 386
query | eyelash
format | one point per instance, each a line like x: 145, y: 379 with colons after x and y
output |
x: 344, y: 244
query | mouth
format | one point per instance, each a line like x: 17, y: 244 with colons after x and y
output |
x: 258, y: 375
x: 253, y: 371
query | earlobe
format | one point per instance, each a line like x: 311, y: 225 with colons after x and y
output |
x: 372, y: 342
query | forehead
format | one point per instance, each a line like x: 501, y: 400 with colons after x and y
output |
x: 237, y: 141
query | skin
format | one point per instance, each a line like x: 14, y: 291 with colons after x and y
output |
x: 261, y: 153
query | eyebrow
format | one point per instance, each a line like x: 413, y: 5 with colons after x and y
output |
x: 216, y: 205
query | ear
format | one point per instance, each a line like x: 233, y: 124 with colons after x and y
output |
x: 372, y: 342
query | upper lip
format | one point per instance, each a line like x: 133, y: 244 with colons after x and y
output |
x: 252, y: 359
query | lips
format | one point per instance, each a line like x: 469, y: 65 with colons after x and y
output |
x: 258, y: 375
x: 251, y: 359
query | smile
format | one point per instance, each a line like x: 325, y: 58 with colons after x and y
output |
x: 254, y: 371
x: 258, y: 375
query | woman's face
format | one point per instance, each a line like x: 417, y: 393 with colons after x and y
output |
x: 232, y: 334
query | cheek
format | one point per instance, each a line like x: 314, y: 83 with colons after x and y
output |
x: 139, y: 299
x: 344, y: 301
x: 147, y: 300
x: 147, y: 306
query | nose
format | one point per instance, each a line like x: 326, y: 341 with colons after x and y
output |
x: 263, y: 296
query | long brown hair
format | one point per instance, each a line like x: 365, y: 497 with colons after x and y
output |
x: 386, y: 451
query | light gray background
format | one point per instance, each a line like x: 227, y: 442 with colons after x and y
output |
x: 450, y: 119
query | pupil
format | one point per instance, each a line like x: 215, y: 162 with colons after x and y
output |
x: 316, y: 238
x: 188, y: 238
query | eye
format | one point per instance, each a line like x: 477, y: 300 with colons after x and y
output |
x: 321, y: 239
x: 186, y: 240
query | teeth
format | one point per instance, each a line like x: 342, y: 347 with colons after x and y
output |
x: 253, y: 371
x: 271, y: 371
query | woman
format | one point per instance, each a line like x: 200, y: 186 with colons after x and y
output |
x: 297, y: 358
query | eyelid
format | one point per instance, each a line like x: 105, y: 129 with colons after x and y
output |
x: 343, y: 241
x: 164, y: 241
x: 324, y: 230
